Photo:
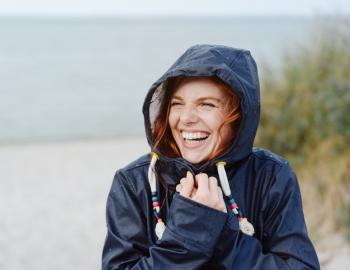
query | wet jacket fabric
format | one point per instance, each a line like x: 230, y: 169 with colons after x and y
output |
x: 196, y: 236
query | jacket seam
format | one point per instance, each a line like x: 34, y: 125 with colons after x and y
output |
x: 123, y: 178
x: 266, y: 196
x: 233, y: 62
x: 273, y: 178
x: 280, y: 163
x: 136, y: 166
x: 123, y: 181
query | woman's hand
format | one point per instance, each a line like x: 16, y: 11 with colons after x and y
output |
x: 202, y: 189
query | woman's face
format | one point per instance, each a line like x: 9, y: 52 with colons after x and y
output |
x: 197, y: 109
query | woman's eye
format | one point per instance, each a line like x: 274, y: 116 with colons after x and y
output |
x: 208, y: 105
x: 174, y: 103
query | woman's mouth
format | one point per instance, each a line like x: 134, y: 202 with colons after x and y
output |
x: 194, y: 137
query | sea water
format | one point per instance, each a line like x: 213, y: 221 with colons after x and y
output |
x: 73, y: 78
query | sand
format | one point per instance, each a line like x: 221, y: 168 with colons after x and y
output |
x: 52, y: 212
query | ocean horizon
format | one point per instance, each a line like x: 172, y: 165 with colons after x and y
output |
x: 71, y: 78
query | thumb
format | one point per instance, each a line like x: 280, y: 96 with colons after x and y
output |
x: 187, y: 186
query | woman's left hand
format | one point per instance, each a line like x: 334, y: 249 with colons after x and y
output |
x: 207, y: 192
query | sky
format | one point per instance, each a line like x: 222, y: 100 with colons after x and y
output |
x: 174, y: 7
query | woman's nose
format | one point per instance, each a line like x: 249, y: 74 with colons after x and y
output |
x: 189, y: 115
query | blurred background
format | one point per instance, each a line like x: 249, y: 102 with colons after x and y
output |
x: 73, y: 78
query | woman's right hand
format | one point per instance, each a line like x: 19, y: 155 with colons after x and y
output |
x: 207, y: 192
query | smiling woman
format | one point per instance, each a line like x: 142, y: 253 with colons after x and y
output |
x: 204, y: 198
x: 202, y: 113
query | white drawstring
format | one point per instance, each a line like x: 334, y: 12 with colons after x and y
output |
x: 223, y: 178
x: 151, y: 173
x: 244, y: 225
x: 160, y: 226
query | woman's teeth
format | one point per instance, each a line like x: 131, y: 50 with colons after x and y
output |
x: 194, y: 137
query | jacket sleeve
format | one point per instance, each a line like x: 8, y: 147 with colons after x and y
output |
x: 187, y: 243
x: 285, y: 243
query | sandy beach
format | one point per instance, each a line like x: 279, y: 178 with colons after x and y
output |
x: 53, y: 204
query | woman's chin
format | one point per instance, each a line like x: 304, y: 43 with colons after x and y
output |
x: 195, y: 158
x: 195, y: 153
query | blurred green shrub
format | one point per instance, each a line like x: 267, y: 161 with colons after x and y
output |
x: 309, y: 101
x: 306, y: 117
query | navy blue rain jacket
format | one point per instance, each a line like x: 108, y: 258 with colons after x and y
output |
x: 196, y: 236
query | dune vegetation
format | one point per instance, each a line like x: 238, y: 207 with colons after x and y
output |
x: 306, y: 118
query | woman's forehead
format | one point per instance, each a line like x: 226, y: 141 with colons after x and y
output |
x: 200, y: 89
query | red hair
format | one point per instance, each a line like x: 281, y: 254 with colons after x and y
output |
x: 162, y: 136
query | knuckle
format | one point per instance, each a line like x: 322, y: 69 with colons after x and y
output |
x: 213, y: 180
x: 202, y: 176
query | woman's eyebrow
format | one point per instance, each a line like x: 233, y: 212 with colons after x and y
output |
x: 176, y: 97
x: 210, y: 98
x: 200, y: 99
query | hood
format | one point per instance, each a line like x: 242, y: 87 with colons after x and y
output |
x: 237, y: 68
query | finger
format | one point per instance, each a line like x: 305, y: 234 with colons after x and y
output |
x: 178, y: 187
x: 187, y: 187
x: 203, y: 183
x: 189, y: 176
x: 213, y: 184
x: 194, y: 192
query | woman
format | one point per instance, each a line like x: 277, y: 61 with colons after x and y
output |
x: 205, y: 198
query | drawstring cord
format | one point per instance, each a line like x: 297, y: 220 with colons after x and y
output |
x: 245, y: 226
x: 223, y: 178
x: 160, y: 226
x: 151, y: 173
